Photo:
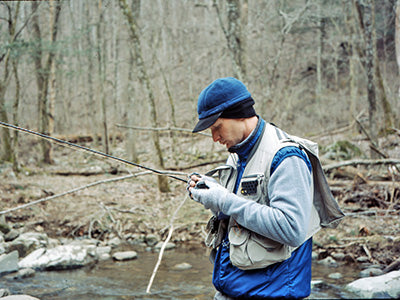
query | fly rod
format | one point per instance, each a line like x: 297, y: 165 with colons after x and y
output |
x: 79, y: 147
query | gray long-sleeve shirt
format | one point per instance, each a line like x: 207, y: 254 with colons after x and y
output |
x: 286, y: 219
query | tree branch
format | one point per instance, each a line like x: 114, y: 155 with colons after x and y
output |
x: 160, y: 129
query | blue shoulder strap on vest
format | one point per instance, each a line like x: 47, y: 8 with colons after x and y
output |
x: 287, y: 152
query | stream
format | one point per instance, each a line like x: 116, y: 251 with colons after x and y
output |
x: 109, y: 280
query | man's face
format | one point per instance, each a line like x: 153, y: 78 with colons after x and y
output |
x: 228, y: 132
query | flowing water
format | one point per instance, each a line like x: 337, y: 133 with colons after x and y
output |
x: 109, y: 280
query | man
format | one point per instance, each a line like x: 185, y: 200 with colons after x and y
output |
x: 264, y: 212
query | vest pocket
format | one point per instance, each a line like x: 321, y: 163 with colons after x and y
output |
x: 249, y: 250
x: 251, y: 187
x: 238, y: 240
x: 263, y: 250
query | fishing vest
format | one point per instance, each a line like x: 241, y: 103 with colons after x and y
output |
x: 250, y: 250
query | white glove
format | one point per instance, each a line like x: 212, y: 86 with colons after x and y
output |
x: 212, y: 195
x: 191, y: 183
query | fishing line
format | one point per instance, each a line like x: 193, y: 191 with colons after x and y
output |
x: 79, y: 147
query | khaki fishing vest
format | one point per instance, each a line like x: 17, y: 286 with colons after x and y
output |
x: 249, y: 250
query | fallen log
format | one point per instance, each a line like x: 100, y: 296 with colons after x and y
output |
x: 393, y: 266
x: 364, y: 162
x: 88, y: 172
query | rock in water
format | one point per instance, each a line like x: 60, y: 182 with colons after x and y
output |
x: 125, y: 255
x: 19, y: 297
x: 28, y: 242
x: 60, y: 257
x: 168, y: 246
x: 9, y: 262
x: 182, y: 266
x: 384, y: 286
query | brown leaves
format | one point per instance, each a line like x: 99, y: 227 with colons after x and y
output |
x: 363, y: 231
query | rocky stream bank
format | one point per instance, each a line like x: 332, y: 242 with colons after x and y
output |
x: 23, y: 254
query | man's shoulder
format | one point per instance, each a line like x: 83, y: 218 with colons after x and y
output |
x: 289, y: 151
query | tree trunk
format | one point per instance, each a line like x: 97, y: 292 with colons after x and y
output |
x: 397, y: 43
x: 91, y: 111
x: 15, y: 117
x: 234, y: 38
x: 6, y: 139
x: 131, y: 113
x: 367, y: 25
x: 386, y: 107
x: 102, y: 77
x: 369, y: 64
x: 320, y: 51
x: 144, y: 79
x: 350, y: 23
x: 43, y: 73
x: 175, y: 144
x: 51, y: 83
x: 116, y: 59
x: 9, y: 152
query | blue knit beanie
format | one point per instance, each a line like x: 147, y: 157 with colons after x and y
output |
x: 220, y: 95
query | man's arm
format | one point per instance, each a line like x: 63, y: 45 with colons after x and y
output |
x: 286, y: 219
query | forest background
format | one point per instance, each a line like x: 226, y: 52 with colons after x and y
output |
x: 123, y: 77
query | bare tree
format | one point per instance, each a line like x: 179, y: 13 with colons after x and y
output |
x: 14, y: 147
x: 131, y: 115
x: 365, y: 12
x: 320, y: 51
x: 101, y: 61
x: 234, y: 36
x: 145, y: 80
x: 116, y: 44
x: 43, y: 65
x: 8, y: 153
x: 351, y: 44
x: 397, y: 43
x: 369, y: 67
x: 89, y: 30
x: 300, y: 51
x: 383, y: 99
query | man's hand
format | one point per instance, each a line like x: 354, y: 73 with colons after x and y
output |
x: 193, y: 179
x: 196, y: 180
x: 207, y: 191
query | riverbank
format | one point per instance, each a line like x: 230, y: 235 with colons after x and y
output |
x: 132, y: 209
x: 84, y: 268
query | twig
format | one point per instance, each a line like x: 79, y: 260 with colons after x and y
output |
x: 107, y: 210
x: 396, y: 130
x: 73, y: 191
x: 373, y: 146
x: 132, y: 210
x: 366, y: 250
x: 171, y: 229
